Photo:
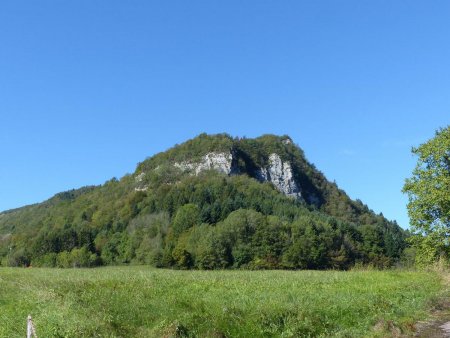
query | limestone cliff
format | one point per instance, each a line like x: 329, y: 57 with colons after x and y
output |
x: 281, y: 175
x: 222, y: 162
x: 277, y: 172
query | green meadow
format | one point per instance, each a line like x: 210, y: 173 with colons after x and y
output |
x: 146, y: 302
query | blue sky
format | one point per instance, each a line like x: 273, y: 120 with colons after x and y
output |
x: 90, y: 88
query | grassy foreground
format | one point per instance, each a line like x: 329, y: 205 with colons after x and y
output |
x: 146, y: 302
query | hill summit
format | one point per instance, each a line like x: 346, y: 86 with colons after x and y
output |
x: 212, y: 202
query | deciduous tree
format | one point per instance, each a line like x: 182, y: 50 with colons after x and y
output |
x: 429, y: 197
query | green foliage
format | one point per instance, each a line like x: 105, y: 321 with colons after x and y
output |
x: 429, y: 198
x: 76, y: 258
x: 186, y: 217
x: 205, y: 221
x: 429, y: 249
x: 20, y: 257
x: 147, y: 233
x: 117, y: 249
x: 181, y: 256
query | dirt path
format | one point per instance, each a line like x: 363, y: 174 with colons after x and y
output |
x: 439, y: 325
x: 434, y: 329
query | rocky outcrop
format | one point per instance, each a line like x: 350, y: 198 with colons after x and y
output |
x: 281, y: 175
x: 222, y: 162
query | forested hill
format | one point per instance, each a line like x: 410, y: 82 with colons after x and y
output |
x: 211, y: 202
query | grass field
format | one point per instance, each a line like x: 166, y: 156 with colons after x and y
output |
x: 146, y: 302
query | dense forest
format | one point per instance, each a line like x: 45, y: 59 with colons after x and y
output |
x: 166, y: 214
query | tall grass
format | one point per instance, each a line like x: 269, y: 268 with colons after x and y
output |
x: 146, y: 302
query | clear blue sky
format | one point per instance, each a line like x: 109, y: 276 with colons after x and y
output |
x: 90, y: 88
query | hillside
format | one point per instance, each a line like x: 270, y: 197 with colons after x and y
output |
x: 211, y: 202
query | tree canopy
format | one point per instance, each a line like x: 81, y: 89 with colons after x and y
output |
x: 429, y: 197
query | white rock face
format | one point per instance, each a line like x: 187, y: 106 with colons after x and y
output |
x: 280, y: 174
x: 216, y: 161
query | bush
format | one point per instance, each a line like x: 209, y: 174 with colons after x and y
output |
x: 48, y: 261
x: 19, y: 258
x: 77, y: 258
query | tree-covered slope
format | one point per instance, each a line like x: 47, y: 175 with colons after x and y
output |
x: 211, y: 202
